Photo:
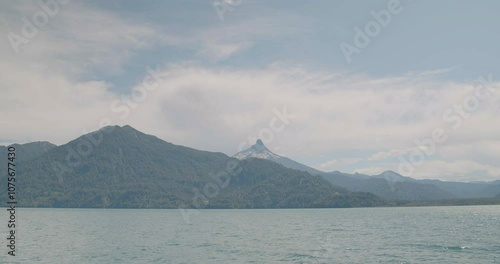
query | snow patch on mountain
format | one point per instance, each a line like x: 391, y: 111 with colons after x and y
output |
x: 259, y: 150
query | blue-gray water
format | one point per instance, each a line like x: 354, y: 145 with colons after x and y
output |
x: 365, y: 235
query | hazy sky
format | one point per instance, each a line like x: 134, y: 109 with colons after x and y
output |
x: 365, y: 84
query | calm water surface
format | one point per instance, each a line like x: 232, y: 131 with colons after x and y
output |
x: 365, y: 235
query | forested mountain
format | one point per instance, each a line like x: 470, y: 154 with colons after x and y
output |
x: 253, y: 188
x: 120, y: 167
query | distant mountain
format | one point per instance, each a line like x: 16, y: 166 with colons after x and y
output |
x: 467, y: 190
x: 389, y: 184
x: 120, y: 167
x: 393, y: 177
x: 259, y: 150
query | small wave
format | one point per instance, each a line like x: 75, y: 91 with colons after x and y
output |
x: 456, y: 248
x: 440, y: 247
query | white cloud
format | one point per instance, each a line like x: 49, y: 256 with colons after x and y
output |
x: 45, y: 97
x: 220, y: 51
x: 434, y: 72
x: 478, y: 150
x: 458, y: 170
x: 394, y: 153
x: 238, y: 100
x: 336, y: 163
x: 223, y: 40
x: 77, y: 39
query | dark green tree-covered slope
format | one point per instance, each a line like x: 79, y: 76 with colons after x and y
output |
x: 114, y: 167
x: 253, y: 188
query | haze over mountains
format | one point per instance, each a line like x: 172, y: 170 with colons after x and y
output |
x: 120, y: 167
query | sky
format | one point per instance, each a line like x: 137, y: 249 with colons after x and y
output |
x: 353, y: 86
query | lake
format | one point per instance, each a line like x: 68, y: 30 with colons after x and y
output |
x: 469, y: 234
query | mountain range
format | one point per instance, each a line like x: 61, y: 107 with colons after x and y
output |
x: 389, y: 184
x: 121, y: 167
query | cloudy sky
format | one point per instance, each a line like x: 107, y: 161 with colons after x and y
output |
x: 354, y: 86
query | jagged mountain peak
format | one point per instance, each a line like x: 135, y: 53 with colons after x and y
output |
x: 258, y: 150
x: 260, y: 147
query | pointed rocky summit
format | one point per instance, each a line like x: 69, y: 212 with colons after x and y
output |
x: 259, y: 150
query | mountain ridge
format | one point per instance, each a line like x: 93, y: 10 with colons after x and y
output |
x: 125, y: 168
x: 122, y: 156
x: 29, y: 150
x: 388, y: 184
